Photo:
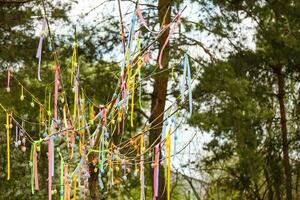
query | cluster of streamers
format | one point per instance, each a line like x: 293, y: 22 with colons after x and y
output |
x: 90, y: 128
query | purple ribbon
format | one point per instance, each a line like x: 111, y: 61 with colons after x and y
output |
x: 40, y: 48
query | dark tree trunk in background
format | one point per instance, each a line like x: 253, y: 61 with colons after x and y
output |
x: 159, y: 94
x: 284, y: 133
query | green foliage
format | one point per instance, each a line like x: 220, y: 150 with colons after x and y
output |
x: 238, y: 106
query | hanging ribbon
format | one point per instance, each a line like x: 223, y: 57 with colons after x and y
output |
x: 52, y: 146
x: 142, y: 178
x: 130, y: 39
x: 132, y: 101
x: 76, y: 94
x: 91, y: 112
x: 111, y: 172
x: 40, y: 46
x: 74, y: 187
x: 8, y: 144
x: 40, y: 118
x: 172, y: 29
x: 78, y: 169
x: 18, y: 137
x: 61, y: 193
x: 83, y: 112
x: 156, y: 171
x: 186, y: 75
x: 49, y: 169
x: 165, y: 124
x: 56, y: 84
x: 129, y: 70
x: 34, y: 169
x: 67, y: 187
x: 49, y: 109
x: 168, y: 159
x: 141, y: 18
x: 172, y: 73
x: 74, y: 62
x: 101, y: 185
x: 50, y: 160
x: 174, y: 123
x: 140, y: 92
x: 66, y: 133
x: 8, y: 80
x: 139, y: 64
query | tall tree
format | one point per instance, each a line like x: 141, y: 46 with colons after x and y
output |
x: 159, y: 94
x: 276, y: 55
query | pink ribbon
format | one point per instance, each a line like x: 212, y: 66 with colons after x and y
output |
x: 8, y: 80
x: 56, y: 83
x: 35, y: 168
x: 172, y: 29
x: 50, y: 169
x: 140, y: 16
x: 146, y: 57
x: 156, y: 171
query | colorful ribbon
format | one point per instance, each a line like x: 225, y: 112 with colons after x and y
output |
x: 141, y: 18
x: 156, y: 171
x: 142, y: 177
x: 8, y: 80
x: 8, y: 144
x: 66, y: 184
x: 34, y: 168
x: 61, y: 193
x: 56, y: 84
x: 74, y: 61
x: 40, y: 46
x: 172, y: 29
x: 168, y: 159
x: 186, y: 75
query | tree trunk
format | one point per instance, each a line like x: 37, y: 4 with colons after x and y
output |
x: 93, y: 180
x: 159, y: 94
x: 284, y: 133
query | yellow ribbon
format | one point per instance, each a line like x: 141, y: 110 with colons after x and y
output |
x: 128, y: 75
x: 139, y: 64
x: 49, y: 109
x: 142, y: 149
x: 92, y: 113
x: 132, y: 101
x: 172, y: 72
x: 75, y: 105
x: 74, y: 62
x: 74, y: 187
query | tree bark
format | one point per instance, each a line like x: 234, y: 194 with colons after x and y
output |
x: 284, y: 133
x: 159, y: 94
x: 93, y: 179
